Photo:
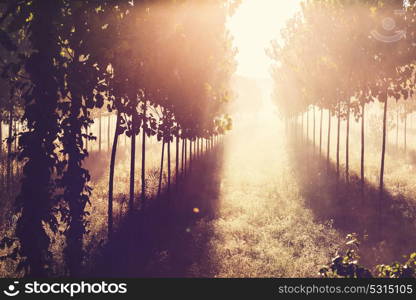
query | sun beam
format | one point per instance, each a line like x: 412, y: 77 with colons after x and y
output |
x: 253, y: 26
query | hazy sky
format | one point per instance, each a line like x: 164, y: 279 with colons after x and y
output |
x: 254, y: 25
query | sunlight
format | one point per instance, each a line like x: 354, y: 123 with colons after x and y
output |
x: 254, y: 25
x: 206, y: 139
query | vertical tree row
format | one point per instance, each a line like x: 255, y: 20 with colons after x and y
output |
x: 144, y: 63
x: 346, y: 65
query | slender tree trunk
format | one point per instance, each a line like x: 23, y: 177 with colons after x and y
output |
x: 169, y: 170
x: 362, y: 143
x: 190, y: 156
x: 347, y: 145
x: 307, y: 125
x: 161, y: 168
x: 383, y: 149
x: 302, y: 116
x: 183, y: 157
x: 177, y: 159
x: 329, y: 139
x: 397, y: 129
x: 16, y: 149
x: 186, y: 156
x: 144, y: 153
x: 320, y: 132
x: 314, y: 129
x: 405, y: 133
x: 9, y: 149
x: 99, y: 133
x: 108, y: 133
x: 111, y: 179
x: 86, y: 140
x: 15, y: 136
x: 338, y: 136
x: 132, y: 164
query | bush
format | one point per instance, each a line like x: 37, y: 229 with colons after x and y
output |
x: 346, y: 265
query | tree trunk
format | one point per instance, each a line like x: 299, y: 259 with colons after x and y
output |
x: 161, y: 168
x: 144, y: 153
x: 397, y: 129
x: 383, y: 149
x: 111, y: 179
x: 320, y: 132
x: 132, y: 163
x: 16, y: 149
x: 329, y: 139
x: 15, y: 136
x: 183, y: 157
x: 9, y: 149
x: 108, y: 133
x: 347, y: 145
x: 190, y: 156
x: 177, y: 159
x: 169, y: 170
x: 405, y: 133
x: 99, y: 133
x: 362, y: 143
x: 186, y: 156
x: 302, y: 116
x: 86, y: 140
x: 338, y: 136
x: 307, y: 125
x: 314, y: 129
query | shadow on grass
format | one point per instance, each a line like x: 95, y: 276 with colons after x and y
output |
x: 387, y: 229
x: 159, y: 241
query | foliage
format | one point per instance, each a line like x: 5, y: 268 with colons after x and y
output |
x: 346, y: 265
x: 64, y: 61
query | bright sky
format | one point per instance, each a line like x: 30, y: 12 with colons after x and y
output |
x: 255, y: 24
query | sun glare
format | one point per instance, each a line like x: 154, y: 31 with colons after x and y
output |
x: 255, y: 24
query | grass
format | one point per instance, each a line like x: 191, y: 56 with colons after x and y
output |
x: 262, y: 206
x: 263, y: 228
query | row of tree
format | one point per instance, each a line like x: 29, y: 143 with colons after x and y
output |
x: 162, y: 67
x: 338, y: 56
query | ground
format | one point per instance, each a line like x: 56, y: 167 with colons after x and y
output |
x: 239, y: 214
